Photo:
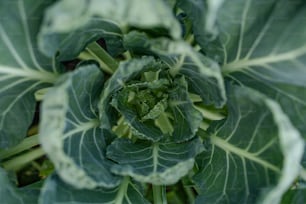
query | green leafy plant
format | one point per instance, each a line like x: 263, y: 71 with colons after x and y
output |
x: 164, y: 101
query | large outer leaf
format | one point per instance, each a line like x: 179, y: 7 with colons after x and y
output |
x: 68, y: 45
x: 71, y: 14
x: 56, y: 191
x: 257, y: 147
x: 203, y: 75
x: 295, y: 196
x: 9, y: 194
x: 70, y: 133
x: 240, y: 23
x: 156, y: 163
x: 22, y: 69
x: 263, y: 45
x: 292, y: 146
x: 203, y: 14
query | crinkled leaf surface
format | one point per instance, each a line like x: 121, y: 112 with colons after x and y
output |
x: 156, y: 163
x: 69, y: 44
x: 22, y: 69
x: 263, y: 45
x: 141, y: 129
x: 56, y: 191
x: 184, y: 118
x: 257, y: 147
x: 71, y: 14
x: 70, y: 132
x: 203, y: 75
x: 127, y: 71
x: 12, y: 195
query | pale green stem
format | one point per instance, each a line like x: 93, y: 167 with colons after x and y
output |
x: 40, y: 94
x: 151, y: 76
x: 190, y: 194
x: 197, y: 48
x: 16, y: 163
x: 164, y: 124
x: 204, y: 125
x: 88, y: 56
x: 122, y: 190
x: 121, y: 129
x: 26, y: 144
x: 190, y: 39
x: 102, y: 56
x: 127, y: 55
x: 173, y: 196
x: 159, y: 194
x: 209, y: 114
x: 194, y: 97
x: 36, y: 165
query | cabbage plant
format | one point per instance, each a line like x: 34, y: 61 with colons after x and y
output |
x: 142, y: 101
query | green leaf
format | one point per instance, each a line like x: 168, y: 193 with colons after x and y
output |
x: 263, y: 46
x: 242, y: 25
x: 294, y: 196
x: 31, y: 193
x: 10, y: 194
x: 183, y: 120
x: 203, y: 14
x: 292, y: 146
x: 70, y: 133
x: 145, y: 114
x: 141, y: 129
x: 22, y: 69
x: 203, y: 75
x: 257, y: 147
x: 186, y: 119
x: 56, y: 191
x: 71, y: 14
x: 156, y: 163
x: 126, y: 72
x: 69, y: 44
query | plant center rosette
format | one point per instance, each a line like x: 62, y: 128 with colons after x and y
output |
x: 149, y: 104
x: 155, y: 121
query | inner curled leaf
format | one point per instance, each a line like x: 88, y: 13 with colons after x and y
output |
x: 155, y: 101
x: 148, y: 99
x: 143, y: 100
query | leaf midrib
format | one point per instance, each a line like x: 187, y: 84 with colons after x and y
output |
x: 244, y: 63
x: 223, y: 144
x: 30, y: 74
x: 122, y: 190
x: 155, y: 157
x: 82, y: 127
